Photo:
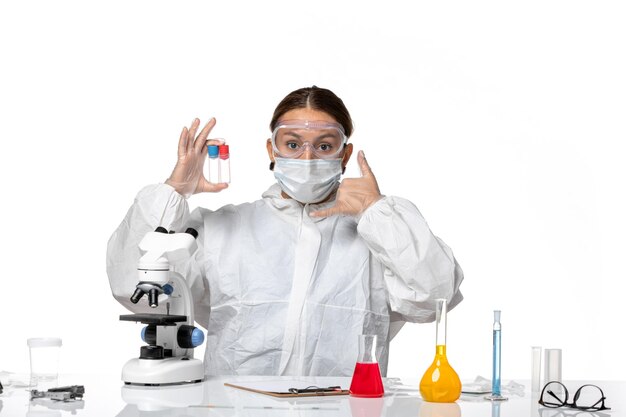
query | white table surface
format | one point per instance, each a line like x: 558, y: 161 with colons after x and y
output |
x: 105, y: 395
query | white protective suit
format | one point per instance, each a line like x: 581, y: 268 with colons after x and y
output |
x: 282, y: 293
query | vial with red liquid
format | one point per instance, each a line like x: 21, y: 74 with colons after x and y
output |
x: 224, y: 163
x: 366, y: 381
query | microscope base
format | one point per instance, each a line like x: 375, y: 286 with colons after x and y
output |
x: 168, y: 371
x: 161, y: 398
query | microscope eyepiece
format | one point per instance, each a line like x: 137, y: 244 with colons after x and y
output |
x: 153, y: 298
x: 137, y: 296
x: 193, y: 232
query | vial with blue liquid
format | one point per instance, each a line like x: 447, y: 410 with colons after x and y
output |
x: 496, y: 394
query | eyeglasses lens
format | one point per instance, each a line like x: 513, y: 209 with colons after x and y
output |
x: 554, y: 395
x: 588, y: 397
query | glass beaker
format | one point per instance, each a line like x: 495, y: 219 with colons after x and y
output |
x: 440, y: 383
x: 366, y: 380
x: 44, y: 359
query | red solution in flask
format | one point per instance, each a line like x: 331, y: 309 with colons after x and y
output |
x: 366, y: 381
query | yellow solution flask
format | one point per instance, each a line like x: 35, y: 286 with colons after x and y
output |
x: 440, y: 383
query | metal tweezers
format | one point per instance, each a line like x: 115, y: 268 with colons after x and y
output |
x: 69, y: 393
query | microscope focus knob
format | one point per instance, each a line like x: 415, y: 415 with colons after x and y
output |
x: 151, y: 352
x: 168, y: 289
x: 149, y: 334
x: 189, y: 337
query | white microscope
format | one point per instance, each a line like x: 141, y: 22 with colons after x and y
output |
x: 170, y: 335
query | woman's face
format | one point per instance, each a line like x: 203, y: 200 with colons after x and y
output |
x: 310, y: 115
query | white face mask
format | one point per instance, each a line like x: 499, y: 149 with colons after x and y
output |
x: 308, y: 180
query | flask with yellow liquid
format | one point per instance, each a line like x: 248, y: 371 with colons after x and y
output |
x: 440, y: 383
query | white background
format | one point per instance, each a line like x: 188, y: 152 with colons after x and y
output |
x: 503, y: 122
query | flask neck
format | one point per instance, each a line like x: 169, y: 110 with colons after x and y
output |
x: 440, y: 350
x: 441, y: 320
x: 367, y: 349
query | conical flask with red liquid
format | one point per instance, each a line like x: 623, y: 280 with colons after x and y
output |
x: 440, y: 383
x: 366, y: 381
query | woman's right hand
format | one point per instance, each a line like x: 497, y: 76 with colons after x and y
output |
x: 188, y: 177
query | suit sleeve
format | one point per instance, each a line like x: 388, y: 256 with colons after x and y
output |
x: 419, y: 267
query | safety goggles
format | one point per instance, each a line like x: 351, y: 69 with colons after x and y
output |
x: 325, y: 140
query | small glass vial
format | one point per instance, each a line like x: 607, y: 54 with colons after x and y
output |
x: 212, y: 168
x: 224, y: 164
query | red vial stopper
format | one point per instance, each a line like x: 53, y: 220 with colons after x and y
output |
x: 224, y: 152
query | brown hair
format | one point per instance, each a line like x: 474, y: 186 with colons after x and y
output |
x: 317, y: 99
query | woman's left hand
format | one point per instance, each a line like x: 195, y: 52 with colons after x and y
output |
x: 354, y: 194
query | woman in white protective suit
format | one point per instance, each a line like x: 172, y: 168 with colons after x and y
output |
x: 285, y: 284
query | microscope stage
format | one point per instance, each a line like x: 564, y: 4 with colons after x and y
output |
x: 158, y: 319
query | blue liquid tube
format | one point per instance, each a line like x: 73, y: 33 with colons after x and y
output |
x: 497, y: 346
x: 496, y: 394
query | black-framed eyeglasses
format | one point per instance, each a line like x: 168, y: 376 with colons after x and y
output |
x: 587, y: 398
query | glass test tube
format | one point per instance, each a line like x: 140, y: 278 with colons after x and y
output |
x: 497, y: 359
x: 224, y: 163
x: 496, y: 395
x: 535, y: 378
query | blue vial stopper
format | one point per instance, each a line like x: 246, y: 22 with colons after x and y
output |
x: 213, y: 151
